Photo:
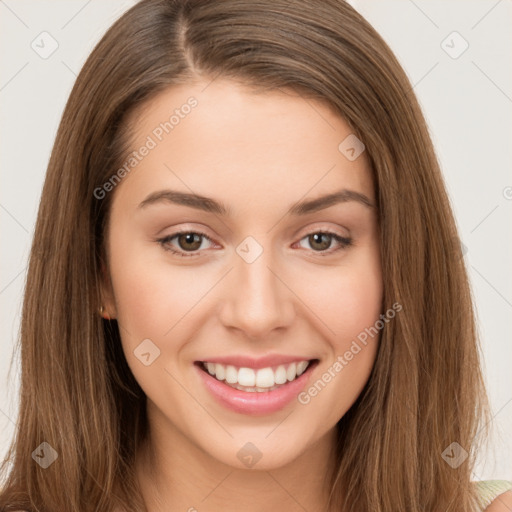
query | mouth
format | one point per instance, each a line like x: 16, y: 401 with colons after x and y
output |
x: 253, y: 380
x: 257, y: 380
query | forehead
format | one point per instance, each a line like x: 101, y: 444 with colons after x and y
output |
x: 224, y: 139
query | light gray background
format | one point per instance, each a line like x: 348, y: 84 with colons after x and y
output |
x: 467, y: 102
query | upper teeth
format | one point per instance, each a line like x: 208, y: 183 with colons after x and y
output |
x: 261, y: 378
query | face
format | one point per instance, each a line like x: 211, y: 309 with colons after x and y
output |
x: 239, y: 295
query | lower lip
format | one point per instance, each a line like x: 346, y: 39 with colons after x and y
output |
x: 255, y: 403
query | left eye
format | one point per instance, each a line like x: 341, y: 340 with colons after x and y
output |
x: 323, y: 239
x: 190, y: 242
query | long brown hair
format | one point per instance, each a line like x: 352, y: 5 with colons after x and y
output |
x: 77, y: 392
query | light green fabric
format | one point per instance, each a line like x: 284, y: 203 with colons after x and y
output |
x: 489, y: 489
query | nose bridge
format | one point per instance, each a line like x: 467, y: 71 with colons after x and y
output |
x: 256, y: 300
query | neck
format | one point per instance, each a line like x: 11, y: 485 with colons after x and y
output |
x: 176, y: 475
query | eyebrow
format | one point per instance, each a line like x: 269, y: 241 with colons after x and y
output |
x: 210, y: 205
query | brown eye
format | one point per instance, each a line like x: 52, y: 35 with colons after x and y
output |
x: 186, y: 242
x: 320, y: 242
x: 189, y: 241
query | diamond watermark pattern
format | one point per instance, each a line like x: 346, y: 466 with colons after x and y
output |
x: 146, y: 352
x: 249, y: 249
x: 249, y: 454
x: 351, y: 147
x: 45, y: 45
x: 454, y: 45
x: 455, y: 455
x: 45, y: 455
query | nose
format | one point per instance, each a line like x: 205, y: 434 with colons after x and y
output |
x: 257, y: 300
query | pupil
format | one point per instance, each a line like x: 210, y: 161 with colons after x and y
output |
x: 189, y: 239
x: 317, y: 238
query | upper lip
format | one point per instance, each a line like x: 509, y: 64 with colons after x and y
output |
x: 256, y: 362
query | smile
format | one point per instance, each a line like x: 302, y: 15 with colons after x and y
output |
x: 255, y: 387
x: 256, y: 380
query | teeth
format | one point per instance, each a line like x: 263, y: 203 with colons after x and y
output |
x: 246, y: 377
x: 291, y: 372
x: 264, y: 378
x: 231, y: 374
x: 280, y: 375
x: 256, y: 381
x: 220, y: 371
x: 301, y: 367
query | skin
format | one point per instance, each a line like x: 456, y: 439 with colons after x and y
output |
x: 258, y: 154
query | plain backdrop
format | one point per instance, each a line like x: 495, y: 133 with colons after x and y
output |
x: 457, y: 55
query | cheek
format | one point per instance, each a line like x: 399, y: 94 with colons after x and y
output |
x: 352, y: 310
x: 151, y: 293
x: 348, y: 300
x: 347, y: 297
x: 152, y: 298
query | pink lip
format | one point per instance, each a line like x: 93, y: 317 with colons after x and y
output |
x: 256, y: 363
x: 255, y: 403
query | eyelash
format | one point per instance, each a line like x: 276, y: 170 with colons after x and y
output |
x: 164, y: 242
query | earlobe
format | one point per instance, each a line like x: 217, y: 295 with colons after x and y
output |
x: 103, y: 313
x: 107, y: 307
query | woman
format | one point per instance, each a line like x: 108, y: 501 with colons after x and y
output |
x: 253, y: 290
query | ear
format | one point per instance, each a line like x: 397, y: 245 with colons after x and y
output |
x: 107, y: 293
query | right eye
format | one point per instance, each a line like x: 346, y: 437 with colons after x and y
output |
x: 190, y: 242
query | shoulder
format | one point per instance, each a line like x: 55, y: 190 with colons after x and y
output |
x: 494, y: 495
x: 502, y: 503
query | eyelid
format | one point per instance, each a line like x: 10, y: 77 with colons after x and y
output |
x: 344, y: 241
x: 165, y: 241
x: 323, y: 228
